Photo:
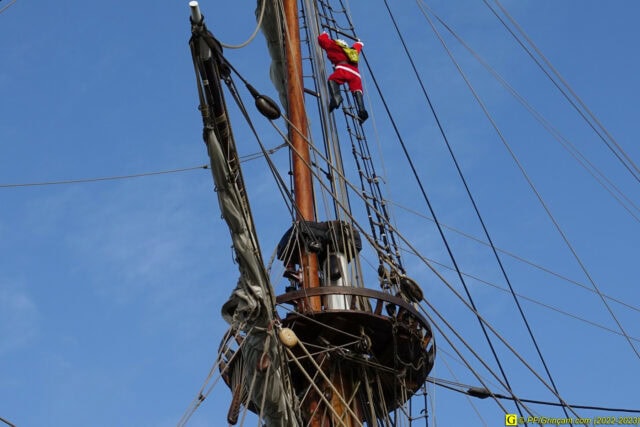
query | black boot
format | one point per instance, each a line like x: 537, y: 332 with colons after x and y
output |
x: 362, y: 113
x: 334, y: 94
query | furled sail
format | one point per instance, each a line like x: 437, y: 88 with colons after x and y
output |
x: 271, y: 19
x: 250, y: 306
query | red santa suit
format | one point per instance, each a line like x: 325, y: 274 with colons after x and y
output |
x: 345, y: 71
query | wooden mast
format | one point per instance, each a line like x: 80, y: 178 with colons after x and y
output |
x: 302, y: 184
x: 304, y: 199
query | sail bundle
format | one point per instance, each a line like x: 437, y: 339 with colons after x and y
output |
x: 250, y: 306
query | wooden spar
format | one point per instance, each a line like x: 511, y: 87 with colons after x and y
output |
x: 302, y: 184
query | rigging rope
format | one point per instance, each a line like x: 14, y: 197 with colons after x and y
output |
x: 459, y: 353
x: 593, y: 170
x: 253, y: 35
x: 5, y: 421
x: 245, y: 158
x: 431, y: 209
x: 8, y: 6
x: 540, y: 303
x: 520, y: 310
x: 468, y: 306
x: 471, y: 198
x: 107, y: 178
x: 532, y: 186
x: 202, y: 394
x: 433, y: 381
x: 519, y: 258
x: 458, y: 387
x: 629, y: 164
x: 470, y: 348
x: 319, y: 392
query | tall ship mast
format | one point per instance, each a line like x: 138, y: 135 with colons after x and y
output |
x: 340, y: 346
x: 343, y: 353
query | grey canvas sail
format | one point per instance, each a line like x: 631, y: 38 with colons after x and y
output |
x: 271, y: 21
x: 249, y: 309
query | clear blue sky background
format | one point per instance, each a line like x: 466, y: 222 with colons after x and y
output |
x: 110, y: 291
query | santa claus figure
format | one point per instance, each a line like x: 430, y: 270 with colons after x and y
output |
x: 345, y: 64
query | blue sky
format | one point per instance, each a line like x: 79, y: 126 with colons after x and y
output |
x: 110, y: 291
